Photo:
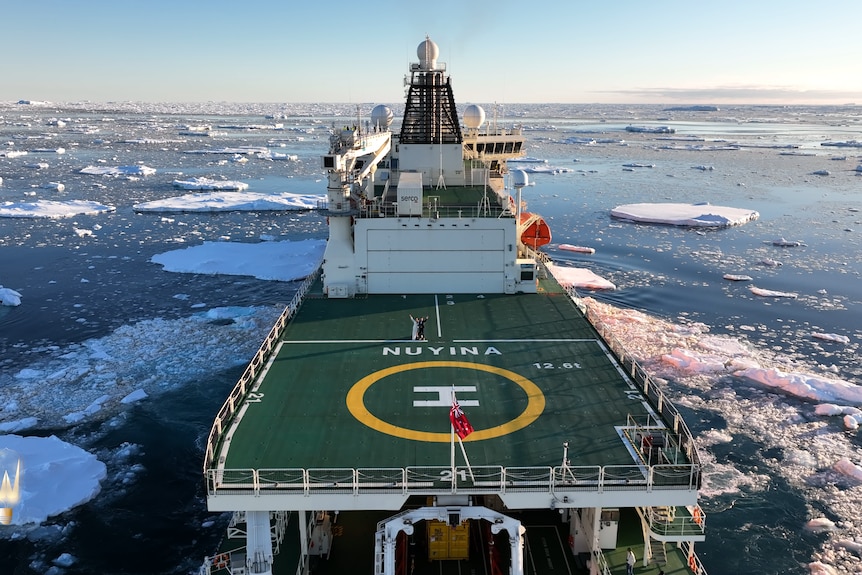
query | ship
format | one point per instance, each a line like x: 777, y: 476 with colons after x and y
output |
x: 433, y: 400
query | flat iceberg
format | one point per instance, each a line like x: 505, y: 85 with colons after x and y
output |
x: 50, y: 209
x: 209, y: 184
x: 118, y: 171
x: 231, y: 201
x: 579, y: 249
x: 579, y: 278
x: 771, y: 293
x: 55, y: 476
x: 283, y: 261
x: 691, y: 215
x: 805, y: 385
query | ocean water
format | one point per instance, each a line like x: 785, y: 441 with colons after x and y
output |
x: 97, y: 314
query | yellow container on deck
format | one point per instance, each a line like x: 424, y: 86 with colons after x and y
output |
x: 445, y: 542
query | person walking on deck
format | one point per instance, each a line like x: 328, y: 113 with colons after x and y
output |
x: 630, y: 562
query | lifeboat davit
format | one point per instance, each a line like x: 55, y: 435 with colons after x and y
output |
x: 534, y: 231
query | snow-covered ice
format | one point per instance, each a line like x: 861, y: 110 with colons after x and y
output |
x: 9, y: 297
x: 118, y: 171
x: 209, y: 184
x: 51, y: 209
x: 284, y: 261
x: 691, y: 215
x: 579, y: 249
x: 579, y: 278
x: 231, y: 201
x: 772, y: 293
x: 55, y: 476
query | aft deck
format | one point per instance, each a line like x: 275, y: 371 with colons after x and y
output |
x: 348, y: 404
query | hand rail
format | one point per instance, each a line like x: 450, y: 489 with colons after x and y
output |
x: 427, y: 480
x: 252, y: 371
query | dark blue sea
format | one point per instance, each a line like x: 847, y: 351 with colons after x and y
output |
x: 90, y: 292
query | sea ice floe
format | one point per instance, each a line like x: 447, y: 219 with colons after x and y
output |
x: 831, y: 337
x: 284, y: 261
x: 579, y: 249
x: 808, y: 386
x: 579, y: 278
x: 55, y: 476
x: 118, y: 171
x: 820, y: 524
x: 9, y: 297
x: 772, y: 293
x: 846, y: 467
x: 51, y: 209
x: 209, y: 184
x: 691, y: 215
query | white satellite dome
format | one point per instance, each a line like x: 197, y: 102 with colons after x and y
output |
x: 474, y: 116
x: 520, y: 178
x: 428, y: 53
x: 381, y: 117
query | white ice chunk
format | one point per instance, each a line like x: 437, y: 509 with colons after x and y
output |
x: 209, y: 184
x: 806, y: 385
x: 50, y: 209
x: 692, y: 215
x: 231, y: 201
x: 9, y: 297
x: 284, y: 261
x: 832, y: 337
x: 55, y: 476
x: 135, y: 396
x: 118, y: 171
x: 846, y: 467
x: 771, y: 293
x: 579, y: 278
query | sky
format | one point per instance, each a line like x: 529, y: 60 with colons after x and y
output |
x: 626, y: 51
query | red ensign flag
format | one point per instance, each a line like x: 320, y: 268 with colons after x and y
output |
x: 459, y: 421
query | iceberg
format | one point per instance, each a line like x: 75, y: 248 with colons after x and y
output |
x: 283, y: 261
x: 55, y: 476
x: 9, y: 297
x: 770, y: 293
x: 579, y: 278
x: 231, y: 201
x: 805, y: 385
x: 691, y: 215
x: 50, y: 209
x: 208, y: 184
x: 579, y: 249
x: 118, y: 171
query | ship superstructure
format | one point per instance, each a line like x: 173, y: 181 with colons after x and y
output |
x: 348, y: 434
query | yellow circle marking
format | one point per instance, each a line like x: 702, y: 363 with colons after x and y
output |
x: 356, y: 403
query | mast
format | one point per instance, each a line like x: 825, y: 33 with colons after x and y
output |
x: 430, y: 116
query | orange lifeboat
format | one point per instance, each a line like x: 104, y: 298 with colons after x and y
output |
x: 534, y: 231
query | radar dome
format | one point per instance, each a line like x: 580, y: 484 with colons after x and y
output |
x: 428, y: 53
x: 520, y: 178
x: 474, y: 116
x: 381, y: 117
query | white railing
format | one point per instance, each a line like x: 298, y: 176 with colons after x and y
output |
x: 426, y: 480
x: 641, y: 378
x: 252, y: 371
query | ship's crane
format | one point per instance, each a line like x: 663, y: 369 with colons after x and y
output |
x: 353, y: 158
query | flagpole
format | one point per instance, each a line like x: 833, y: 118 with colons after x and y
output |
x: 467, y: 461
x: 460, y: 443
x: 452, y: 445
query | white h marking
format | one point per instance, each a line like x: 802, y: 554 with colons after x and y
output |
x: 444, y: 395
